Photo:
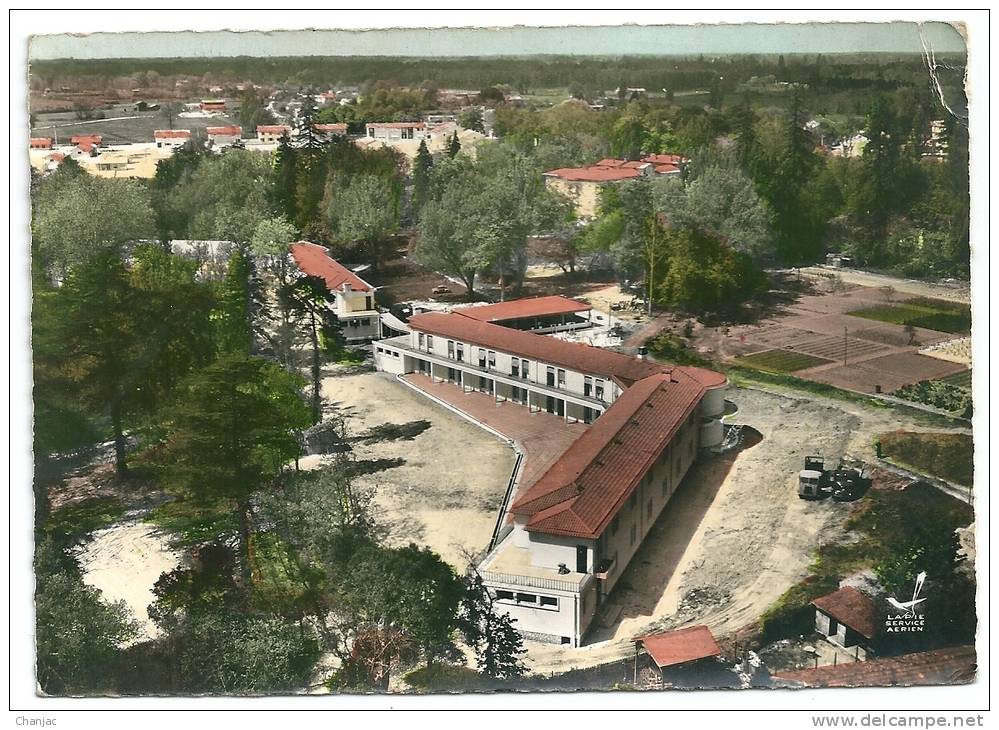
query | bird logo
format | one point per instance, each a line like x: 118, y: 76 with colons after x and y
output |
x: 908, y: 608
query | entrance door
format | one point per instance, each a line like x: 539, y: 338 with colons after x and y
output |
x: 581, y: 563
x: 560, y: 407
x: 550, y: 404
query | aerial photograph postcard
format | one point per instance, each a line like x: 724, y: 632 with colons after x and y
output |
x: 501, y: 361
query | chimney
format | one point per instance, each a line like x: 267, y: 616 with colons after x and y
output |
x: 642, y: 352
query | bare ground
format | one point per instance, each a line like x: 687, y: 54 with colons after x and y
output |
x: 441, y: 488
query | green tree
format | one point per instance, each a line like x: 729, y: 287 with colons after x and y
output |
x: 491, y: 634
x: 233, y: 429
x: 453, y: 145
x: 364, y: 211
x: 78, y: 635
x: 309, y: 297
x: 408, y: 588
x: 233, y: 316
x: 471, y: 119
x: 422, y: 166
x: 81, y: 216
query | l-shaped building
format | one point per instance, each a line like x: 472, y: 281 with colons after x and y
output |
x: 569, y: 536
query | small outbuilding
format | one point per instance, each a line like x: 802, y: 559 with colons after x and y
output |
x: 676, y: 648
x: 846, y: 617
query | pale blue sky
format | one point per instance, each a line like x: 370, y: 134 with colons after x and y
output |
x: 898, y: 37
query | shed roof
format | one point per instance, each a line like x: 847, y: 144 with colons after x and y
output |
x: 852, y: 608
x: 228, y: 131
x: 171, y: 134
x: 521, y: 308
x: 680, y: 646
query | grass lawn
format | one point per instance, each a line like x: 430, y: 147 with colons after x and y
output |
x: 781, y: 361
x: 945, y: 455
x: 933, y: 314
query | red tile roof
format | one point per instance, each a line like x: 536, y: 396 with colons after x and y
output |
x: 852, y: 608
x: 172, y: 134
x: 338, y: 128
x: 314, y: 260
x: 666, y: 159
x: 521, y: 308
x: 592, y: 360
x: 594, y: 173
x: 81, y: 139
x: 680, y: 646
x: 224, y: 131
x: 41, y: 143
x: 953, y: 665
x: 667, y: 169
x: 273, y: 128
x: 582, y: 491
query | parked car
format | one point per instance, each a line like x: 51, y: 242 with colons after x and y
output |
x: 441, y: 290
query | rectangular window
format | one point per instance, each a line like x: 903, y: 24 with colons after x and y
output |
x: 461, y: 352
x: 648, y: 509
x: 450, y: 349
x: 366, y: 322
x: 492, y: 359
x: 421, y: 340
x: 549, y: 601
x: 526, y: 598
x: 515, y: 368
x: 551, y: 376
x: 598, y: 390
x: 504, y: 595
x: 587, y: 386
x: 665, y: 487
x: 587, y: 414
x: 430, y: 342
x: 367, y: 302
x: 523, y: 369
x: 634, y: 534
x: 633, y: 500
x: 482, y: 358
x: 561, y: 378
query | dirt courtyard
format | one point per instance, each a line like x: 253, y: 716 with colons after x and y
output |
x: 441, y: 487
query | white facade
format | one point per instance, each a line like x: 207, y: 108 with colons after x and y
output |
x: 359, y: 318
x: 401, y: 130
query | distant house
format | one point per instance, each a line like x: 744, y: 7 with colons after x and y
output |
x: 41, y: 143
x: 850, y: 146
x: 327, y: 97
x: 952, y: 665
x: 330, y: 128
x: 223, y: 136
x: 355, y: 298
x: 397, y: 130
x: 272, y: 133
x: 86, y: 143
x: 583, y: 184
x: 212, y: 105
x: 847, y: 617
x: 171, y: 137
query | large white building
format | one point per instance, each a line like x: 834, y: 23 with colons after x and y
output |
x: 355, y: 298
x: 568, y: 537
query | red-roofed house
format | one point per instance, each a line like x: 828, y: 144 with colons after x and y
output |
x: 272, y: 133
x: 583, y: 184
x: 224, y: 136
x: 397, y: 130
x: 86, y: 144
x: 213, y: 105
x: 172, y: 138
x: 355, y: 298
x: 572, y: 532
x: 330, y: 128
x: 41, y: 143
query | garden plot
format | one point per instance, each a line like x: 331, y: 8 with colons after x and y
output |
x: 889, y: 372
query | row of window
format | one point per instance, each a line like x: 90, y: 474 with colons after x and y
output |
x: 363, y: 322
x: 390, y: 353
x: 528, y: 599
x: 519, y: 368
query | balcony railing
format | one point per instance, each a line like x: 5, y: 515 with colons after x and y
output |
x: 551, y: 584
